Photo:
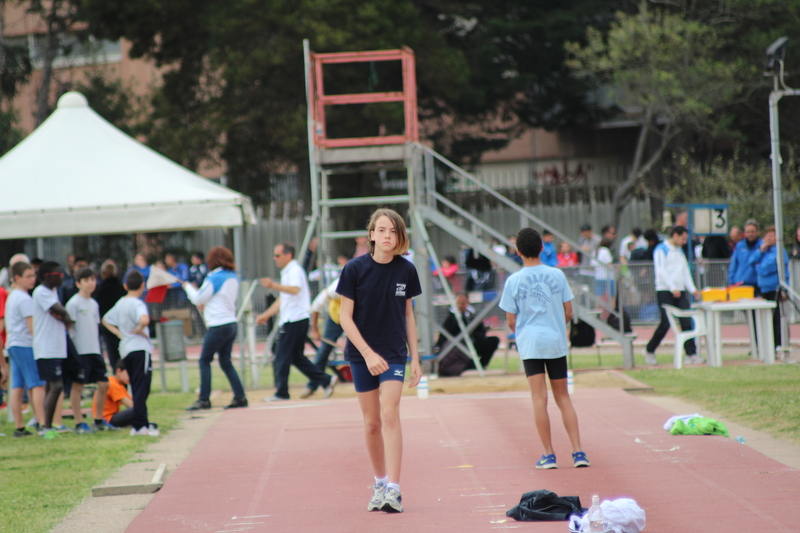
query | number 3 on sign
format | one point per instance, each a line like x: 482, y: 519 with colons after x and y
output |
x: 720, y: 221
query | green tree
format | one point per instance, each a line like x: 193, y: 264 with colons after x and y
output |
x: 745, y: 186
x: 665, y: 71
x: 233, y: 86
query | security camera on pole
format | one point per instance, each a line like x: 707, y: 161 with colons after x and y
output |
x: 774, y: 68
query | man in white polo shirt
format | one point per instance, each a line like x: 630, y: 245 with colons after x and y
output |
x: 293, y: 304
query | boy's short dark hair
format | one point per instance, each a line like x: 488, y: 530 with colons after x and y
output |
x: 84, y: 273
x: 529, y: 243
x: 677, y: 230
x: 134, y: 280
x: 199, y: 255
x: 48, y: 267
x: 651, y: 235
x: 637, y: 232
x: 120, y: 366
x: 545, y: 233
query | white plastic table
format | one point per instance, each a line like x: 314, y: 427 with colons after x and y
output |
x: 762, y: 339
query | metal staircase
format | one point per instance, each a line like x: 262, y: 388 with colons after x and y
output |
x: 426, y: 207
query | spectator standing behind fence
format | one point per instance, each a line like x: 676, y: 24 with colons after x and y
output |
x: 742, y: 271
x: 107, y: 294
x: 566, y: 257
x: 796, y: 245
x: 512, y: 250
x: 766, y: 264
x: 734, y: 237
x: 198, y: 271
x: 638, y: 242
x: 603, y: 271
x: 673, y: 284
x: 589, y: 243
x: 548, y: 256
x: 141, y: 266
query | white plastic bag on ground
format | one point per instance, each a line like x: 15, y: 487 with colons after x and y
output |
x: 671, y: 422
x: 622, y: 516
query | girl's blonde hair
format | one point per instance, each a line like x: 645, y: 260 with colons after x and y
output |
x: 399, y: 229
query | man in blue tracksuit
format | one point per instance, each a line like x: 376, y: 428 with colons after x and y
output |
x: 742, y: 270
x: 765, y: 262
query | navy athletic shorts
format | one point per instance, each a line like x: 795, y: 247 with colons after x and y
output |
x: 366, y: 382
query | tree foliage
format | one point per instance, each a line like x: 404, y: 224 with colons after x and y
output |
x: 233, y: 84
x: 744, y: 185
x: 665, y: 70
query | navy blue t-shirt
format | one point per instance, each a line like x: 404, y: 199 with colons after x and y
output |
x: 379, y: 293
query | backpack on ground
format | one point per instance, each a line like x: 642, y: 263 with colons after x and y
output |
x: 454, y: 363
x: 582, y: 335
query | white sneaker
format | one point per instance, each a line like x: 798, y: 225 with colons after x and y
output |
x: 331, y: 386
x: 650, y: 358
x: 153, y: 431
x: 375, y: 504
x: 141, y: 432
x: 693, y: 360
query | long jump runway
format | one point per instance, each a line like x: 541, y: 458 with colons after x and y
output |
x: 302, y: 466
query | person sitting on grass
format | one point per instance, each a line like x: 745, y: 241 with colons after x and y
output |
x: 116, y: 396
x: 129, y: 321
x: 538, y: 305
x: 85, y: 336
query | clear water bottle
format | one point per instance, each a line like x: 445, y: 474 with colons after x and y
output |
x: 595, y: 516
x: 422, y: 388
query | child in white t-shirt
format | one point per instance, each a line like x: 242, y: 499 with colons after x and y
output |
x: 19, y: 325
x: 129, y: 321
x: 85, y: 335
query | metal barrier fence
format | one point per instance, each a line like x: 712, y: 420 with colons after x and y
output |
x: 639, y: 295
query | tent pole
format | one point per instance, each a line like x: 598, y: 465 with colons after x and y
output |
x: 238, y: 258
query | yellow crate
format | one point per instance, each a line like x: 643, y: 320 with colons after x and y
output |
x: 740, y: 293
x: 711, y: 294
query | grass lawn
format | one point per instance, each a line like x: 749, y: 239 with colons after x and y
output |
x: 42, y: 480
x: 763, y: 397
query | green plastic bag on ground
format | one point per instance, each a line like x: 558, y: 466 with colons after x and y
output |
x: 699, y: 426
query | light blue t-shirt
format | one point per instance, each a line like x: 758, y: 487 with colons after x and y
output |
x: 537, y: 296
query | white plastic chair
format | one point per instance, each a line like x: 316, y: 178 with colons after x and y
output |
x: 700, y: 329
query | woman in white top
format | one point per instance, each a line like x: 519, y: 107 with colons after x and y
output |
x: 603, y: 272
x: 218, y: 296
x: 19, y: 325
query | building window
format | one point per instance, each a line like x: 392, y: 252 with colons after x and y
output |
x: 74, y: 50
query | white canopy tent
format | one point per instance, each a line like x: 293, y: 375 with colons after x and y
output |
x: 76, y: 174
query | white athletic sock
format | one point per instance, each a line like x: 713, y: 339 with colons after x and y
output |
x: 382, y: 481
x: 394, y: 486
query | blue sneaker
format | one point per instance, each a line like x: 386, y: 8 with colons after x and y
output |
x: 83, y: 428
x: 105, y: 426
x: 579, y: 459
x: 547, y: 462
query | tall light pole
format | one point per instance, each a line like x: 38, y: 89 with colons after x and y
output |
x: 774, y: 68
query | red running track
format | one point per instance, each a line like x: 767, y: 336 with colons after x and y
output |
x: 302, y: 466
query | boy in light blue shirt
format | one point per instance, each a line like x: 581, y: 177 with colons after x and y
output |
x: 538, y: 305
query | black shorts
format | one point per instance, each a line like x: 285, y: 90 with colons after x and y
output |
x: 94, y: 368
x: 556, y: 368
x: 50, y: 369
x: 74, y: 368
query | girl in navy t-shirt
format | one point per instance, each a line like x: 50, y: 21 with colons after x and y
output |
x: 378, y: 319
